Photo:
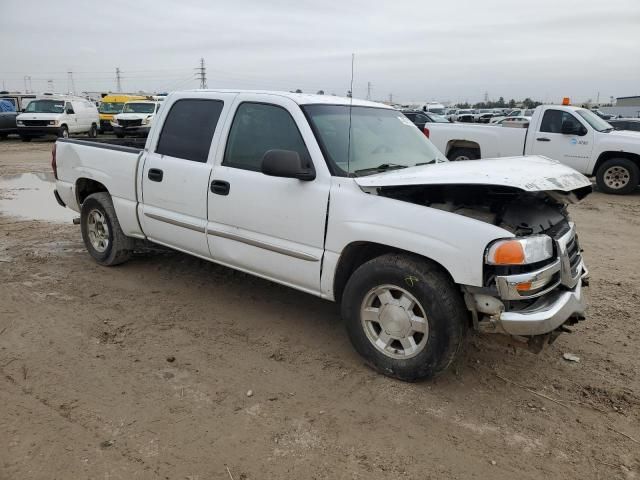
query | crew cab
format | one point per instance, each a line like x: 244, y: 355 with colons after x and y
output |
x: 574, y: 136
x: 346, y: 200
x: 136, y: 118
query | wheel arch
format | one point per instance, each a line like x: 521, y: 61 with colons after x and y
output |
x: 460, y: 143
x: 609, y: 154
x: 357, y: 253
x: 87, y: 186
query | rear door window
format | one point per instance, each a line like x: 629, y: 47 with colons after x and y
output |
x: 188, y: 129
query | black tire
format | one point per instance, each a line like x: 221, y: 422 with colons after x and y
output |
x: 120, y: 135
x: 3, y: 136
x: 93, y: 131
x: 443, y: 305
x: 63, y: 132
x: 26, y: 139
x: 461, y: 154
x: 618, y: 176
x: 119, y: 247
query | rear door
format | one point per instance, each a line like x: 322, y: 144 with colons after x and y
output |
x: 548, y: 140
x: 175, y: 176
x: 270, y: 226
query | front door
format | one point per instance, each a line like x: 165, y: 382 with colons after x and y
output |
x: 572, y: 150
x: 270, y: 226
x: 175, y: 175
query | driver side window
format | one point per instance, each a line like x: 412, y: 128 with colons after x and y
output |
x: 553, y: 119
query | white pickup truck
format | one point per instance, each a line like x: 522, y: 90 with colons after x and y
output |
x: 574, y: 136
x: 347, y: 202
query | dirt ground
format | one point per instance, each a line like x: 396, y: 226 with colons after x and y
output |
x: 143, y: 371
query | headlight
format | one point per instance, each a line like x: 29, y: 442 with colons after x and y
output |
x: 147, y: 121
x: 520, y: 251
x: 20, y: 122
x: 114, y: 120
x: 53, y: 122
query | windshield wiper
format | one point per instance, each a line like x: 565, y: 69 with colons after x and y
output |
x: 380, y: 168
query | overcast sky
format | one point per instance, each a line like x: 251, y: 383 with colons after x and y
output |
x: 453, y: 50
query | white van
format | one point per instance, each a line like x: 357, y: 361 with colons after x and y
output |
x: 61, y: 116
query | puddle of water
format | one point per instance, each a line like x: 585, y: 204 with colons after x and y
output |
x: 30, y: 196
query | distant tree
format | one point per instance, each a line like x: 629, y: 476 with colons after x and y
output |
x: 528, y: 103
x: 500, y: 102
x: 320, y: 92
x: 464, y: 105
x: 298, y: 91
x: 512, y: 103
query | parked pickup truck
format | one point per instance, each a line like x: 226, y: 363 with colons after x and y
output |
x: 574, y: 136
x: 351, y: 203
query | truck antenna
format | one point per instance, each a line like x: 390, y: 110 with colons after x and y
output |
x: 353, y: 56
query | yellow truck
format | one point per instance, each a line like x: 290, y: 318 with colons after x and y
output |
x: 111, y: 105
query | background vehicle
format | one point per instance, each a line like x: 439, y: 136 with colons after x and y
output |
x: 434, y: 107
x: 632, y: 124
x: 465, y: 118
x: 420, y: 118
x: 516, y: 122
x: 346, y: 200
x: 10, y: 107
x: 136, y: 118
x: 574, y: 136
x: 58, y: 115
x: 111, y: 105
x: 462, y: 111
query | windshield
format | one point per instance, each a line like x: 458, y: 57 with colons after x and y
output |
x: 115, y: 107
x: 45, y: 106
x: 139, y: 108
x: 595, y: 121
x: 380, y: 139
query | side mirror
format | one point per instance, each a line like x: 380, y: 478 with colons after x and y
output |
x: 287, y: 164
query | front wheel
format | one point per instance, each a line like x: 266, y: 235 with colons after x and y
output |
x: 404, y: 315
x: 618, y: 176
x: 93, y: 131
x: 101, y: 231
x: 63, y: 132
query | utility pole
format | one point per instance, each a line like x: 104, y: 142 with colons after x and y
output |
x: 50, y: 85
x: 598, y: 99
x: 27, y: 83
x: 369, y: 90
x: 118, y: 83
x: 70, y: 84
x: 391, y: 98
x: 486, y: 97
x: 201, y: 73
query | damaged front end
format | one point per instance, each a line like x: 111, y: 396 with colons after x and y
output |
x: 532, y: 281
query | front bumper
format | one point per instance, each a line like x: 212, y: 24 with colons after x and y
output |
x: 137, y: 130
x: 38, y: 131
x: 546, y: 314
x: 105, y: 126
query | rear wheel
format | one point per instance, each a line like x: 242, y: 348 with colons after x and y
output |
x: 101, y: 231
x: 404, y: 315
x: 460, y: 154
x: 618, y: 176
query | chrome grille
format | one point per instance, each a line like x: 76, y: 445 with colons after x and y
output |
x: 570, y: 257
x: 130, y: 123
x: 36, y: 123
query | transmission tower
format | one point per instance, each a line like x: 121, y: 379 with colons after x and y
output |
x: 369, y: 90
x: 50, y: 85
x: 201, y: 74
x: 70, y: 84
x: 118, y: 78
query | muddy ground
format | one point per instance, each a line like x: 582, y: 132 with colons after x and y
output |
x: 142, y: 371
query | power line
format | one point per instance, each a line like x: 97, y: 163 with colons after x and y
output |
x: 202, y: 74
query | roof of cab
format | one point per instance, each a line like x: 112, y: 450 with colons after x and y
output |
x: 302, y: 98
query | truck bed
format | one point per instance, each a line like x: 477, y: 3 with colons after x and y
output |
x: 111, y: 164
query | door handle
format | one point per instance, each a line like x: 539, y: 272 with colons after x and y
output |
x: 220, y: 187
x: 155, y: 174
x: 543, y: 139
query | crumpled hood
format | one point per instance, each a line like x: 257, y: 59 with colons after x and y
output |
x: 533, y: 173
